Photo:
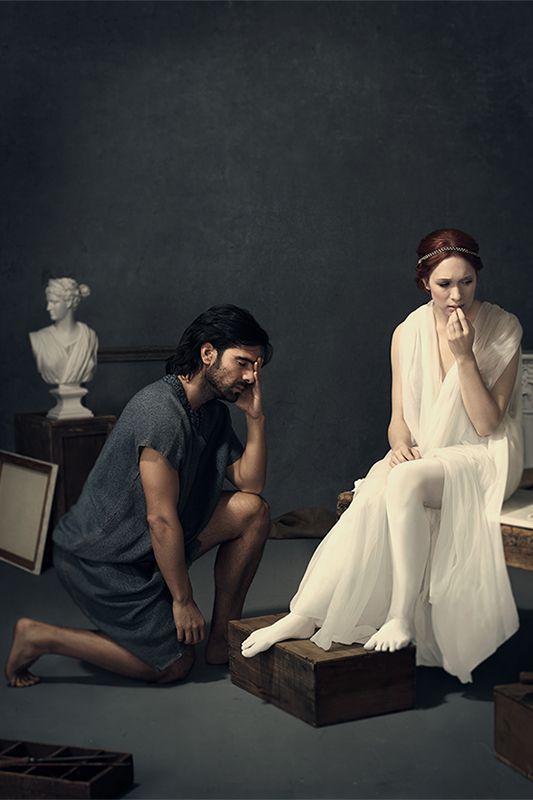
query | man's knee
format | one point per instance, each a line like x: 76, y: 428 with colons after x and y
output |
x: 251, y: 506
x: 253, y: 511
x: 178, y: 670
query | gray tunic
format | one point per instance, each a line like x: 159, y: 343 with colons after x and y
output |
x: 103, y: 550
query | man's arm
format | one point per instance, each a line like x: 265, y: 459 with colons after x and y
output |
x: 248, y: 473
x: 160, y: 483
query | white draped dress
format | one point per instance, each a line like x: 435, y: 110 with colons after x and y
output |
x: 60, y: 364
x: 465, y: 609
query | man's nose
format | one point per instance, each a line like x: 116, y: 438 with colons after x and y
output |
x: 248, y: 376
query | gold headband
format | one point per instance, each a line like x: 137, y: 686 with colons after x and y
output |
x: 448, y: 249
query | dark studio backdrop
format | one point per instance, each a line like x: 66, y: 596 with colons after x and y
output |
x: 286, y: 157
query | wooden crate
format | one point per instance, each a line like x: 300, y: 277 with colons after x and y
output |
x: 323, y: 686
x: 37, y: 770
x: 513, y: 726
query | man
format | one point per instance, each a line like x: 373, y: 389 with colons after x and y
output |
x: 154, y: 502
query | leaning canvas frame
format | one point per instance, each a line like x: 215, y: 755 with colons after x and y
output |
x: 26, y: 493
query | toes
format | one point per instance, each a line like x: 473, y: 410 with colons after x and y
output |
x: 249, y: 642
x: 24, y: 680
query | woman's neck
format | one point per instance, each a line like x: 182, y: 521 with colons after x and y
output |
x: 67, y: 327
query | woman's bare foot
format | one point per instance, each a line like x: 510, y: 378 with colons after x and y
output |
x: 24, y: 651
x: 290, y: 627
x: 393, y: 635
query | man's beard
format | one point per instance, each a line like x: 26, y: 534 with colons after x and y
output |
x: 220, y: 388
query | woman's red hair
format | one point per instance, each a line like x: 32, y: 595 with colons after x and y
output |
x: 446, y: 237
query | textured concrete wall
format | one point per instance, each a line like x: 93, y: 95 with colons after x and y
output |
x: 287, y: 157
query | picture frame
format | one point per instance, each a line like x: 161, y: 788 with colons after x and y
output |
x: 26, y: 494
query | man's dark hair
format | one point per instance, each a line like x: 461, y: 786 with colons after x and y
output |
x: 223, y: 326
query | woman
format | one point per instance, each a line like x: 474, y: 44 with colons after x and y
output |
x: 65, y: 352
x: 418, y: 555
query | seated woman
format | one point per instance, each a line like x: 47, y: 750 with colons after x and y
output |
x: 418, y: 555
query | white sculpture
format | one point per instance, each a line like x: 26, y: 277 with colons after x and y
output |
x: 65, y: 352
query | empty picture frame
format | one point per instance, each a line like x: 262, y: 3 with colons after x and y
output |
x: 26, y: 493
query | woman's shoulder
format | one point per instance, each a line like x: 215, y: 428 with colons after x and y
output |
x: 500, y: 318
x: 42, y: 333
x: 85, y: 330
x: 497, y: 329
x: 414, y: 319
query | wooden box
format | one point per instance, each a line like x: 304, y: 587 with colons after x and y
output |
x: 323, y: 687
x: 74, y: 445
x: 513, y: 726
x: 35, y: 770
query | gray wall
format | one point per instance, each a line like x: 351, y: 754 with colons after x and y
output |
x: 284, y: 156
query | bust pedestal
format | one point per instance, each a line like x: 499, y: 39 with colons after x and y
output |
x: 68, y: 402
x: 74, y: 445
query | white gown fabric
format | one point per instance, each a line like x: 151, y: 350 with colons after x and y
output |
x: 58, y: 364
x: 465, y: 609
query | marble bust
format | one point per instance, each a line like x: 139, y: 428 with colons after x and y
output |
x: 65, y: 351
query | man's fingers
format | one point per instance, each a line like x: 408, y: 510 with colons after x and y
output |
x: 198, y: 634
x: 180, y: 633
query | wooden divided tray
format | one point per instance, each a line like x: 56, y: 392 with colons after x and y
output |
x: 36, y: 770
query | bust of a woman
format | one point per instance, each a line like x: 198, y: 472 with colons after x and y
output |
x: 65, y: 351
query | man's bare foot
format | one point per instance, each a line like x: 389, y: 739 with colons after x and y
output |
x: 216, y: 651
x: 24, y: 651
x: 393, y: 635
x: 290, y: 627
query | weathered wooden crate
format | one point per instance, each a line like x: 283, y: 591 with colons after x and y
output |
x: 37, y: 770
x: 513, y: 726
x: 323, y: 687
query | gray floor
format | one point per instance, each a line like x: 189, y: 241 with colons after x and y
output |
x: 208, y: 739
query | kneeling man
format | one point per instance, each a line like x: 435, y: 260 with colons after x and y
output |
x: 153, y: 503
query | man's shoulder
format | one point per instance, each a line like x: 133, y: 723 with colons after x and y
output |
x: 158, y: 391
x: 155, y: 401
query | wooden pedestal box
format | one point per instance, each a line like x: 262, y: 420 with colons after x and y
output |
x: 74, y: 445
x: 323, y: 686
x: 36, y: 770
x: 513, y: 726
